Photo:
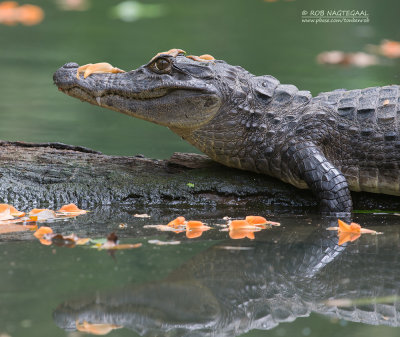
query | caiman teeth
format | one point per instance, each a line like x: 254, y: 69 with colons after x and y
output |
x: 98, y: 100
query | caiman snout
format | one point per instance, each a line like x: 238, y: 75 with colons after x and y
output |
x: 70, y: 65
x: 63, y: 78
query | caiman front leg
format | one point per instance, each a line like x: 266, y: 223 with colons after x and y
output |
x: 326, y: 182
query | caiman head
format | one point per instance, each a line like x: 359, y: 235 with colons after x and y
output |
x: 173, y: 90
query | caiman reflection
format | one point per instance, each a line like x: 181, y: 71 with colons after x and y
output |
x: 256, y: 284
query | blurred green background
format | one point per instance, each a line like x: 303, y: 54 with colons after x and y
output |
x: 263, y: 37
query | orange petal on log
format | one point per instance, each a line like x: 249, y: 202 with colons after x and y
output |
x: 42, y: 231
x: 179, y: 221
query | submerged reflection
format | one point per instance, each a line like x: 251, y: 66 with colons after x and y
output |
x: 237, y: 286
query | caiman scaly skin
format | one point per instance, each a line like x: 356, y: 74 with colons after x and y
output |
x: 336, y: 141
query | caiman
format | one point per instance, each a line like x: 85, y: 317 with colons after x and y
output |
x: 335, y: 142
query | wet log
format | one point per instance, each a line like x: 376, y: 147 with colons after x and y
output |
x: 51, y: 174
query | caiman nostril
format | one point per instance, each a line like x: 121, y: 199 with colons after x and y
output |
x: 70, y: 65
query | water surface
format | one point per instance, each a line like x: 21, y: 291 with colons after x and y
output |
x: 208, y: 286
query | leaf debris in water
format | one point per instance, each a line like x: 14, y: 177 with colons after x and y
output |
x: 71, y: 209
x: 164, y: 228
x: 235, y: 247
x: 163, y: 243
x: 112, y: 243
x: 238, y: 229
x: 350, y: 232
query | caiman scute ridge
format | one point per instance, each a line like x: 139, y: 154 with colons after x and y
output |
x: 332, y: 143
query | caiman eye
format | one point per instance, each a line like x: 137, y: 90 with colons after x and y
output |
x: 162, y: 65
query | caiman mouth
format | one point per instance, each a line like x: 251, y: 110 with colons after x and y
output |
x: 162, y: 100
x: 81, y: 93
x: 99, y: 86
x: 144, y: 96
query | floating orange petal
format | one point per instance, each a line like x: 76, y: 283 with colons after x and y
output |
x: 256, y: 220
x: 45, y: 242
x: 30, y: 15
x: 9, y: 12
x: 352, y: 228
x: 71, y: 208
x: 350, y: 232
x: 347, y: 236
x: 6, y: 215
x: 390, y: 48
x: 42, y: 214
x: 13, y: 210
x: 239, y: 229
x: 4, y: 207
x: 42, y: 231
x: 195, y: 224
x: 8, y: 4
x: 179, y: 221
x: 195, y: 229
x: 241, y: 234
x: 37, y: 210
x: 239, y: 224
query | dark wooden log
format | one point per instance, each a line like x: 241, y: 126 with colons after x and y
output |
x: 51, y: 174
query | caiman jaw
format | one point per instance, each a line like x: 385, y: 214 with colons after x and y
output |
x: 81, y: 87
x: 165, y: 101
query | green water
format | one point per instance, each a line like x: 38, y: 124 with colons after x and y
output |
x: 265, y: 38
x: 211, y: 285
